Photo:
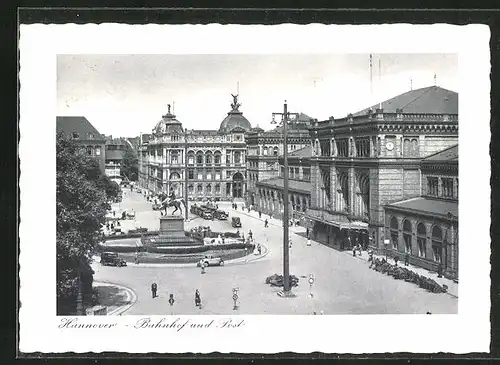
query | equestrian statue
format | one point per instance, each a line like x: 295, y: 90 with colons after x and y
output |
x: 172, y: 201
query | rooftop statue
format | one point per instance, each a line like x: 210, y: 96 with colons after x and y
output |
x: 235, y: 105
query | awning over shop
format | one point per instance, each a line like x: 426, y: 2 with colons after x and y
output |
x: 358, y: 225
x: 337, y: 220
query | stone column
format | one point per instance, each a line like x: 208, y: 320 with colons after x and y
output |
x: 351, y: 190
x: 333, y: 186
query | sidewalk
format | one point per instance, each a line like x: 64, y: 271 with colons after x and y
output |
x: 452, y: 286
x: 116, y: 298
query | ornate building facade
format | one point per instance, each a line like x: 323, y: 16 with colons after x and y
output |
x: 216, y: 159
x: 269, y: 197
x: 372, y: 158
x: 264, y: 149
x: 426, y: 227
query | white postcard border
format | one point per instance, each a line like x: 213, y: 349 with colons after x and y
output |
x: 469, y: 331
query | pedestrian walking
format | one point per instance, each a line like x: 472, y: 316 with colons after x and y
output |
x: 197, y: 299
x: 137, y: 257
x: 309, y: 242
x: 114, y: 213
x: 290, y: 243
x: 354, y: 251
x: 154, y: 289
x: 260, y: 214
x: 250, y: 234
x: 259, y: 248
x: 370, y: 255
x: 266, y: 223
x: 396, y: 259
x: 407, y: 259
x: 440, y: 270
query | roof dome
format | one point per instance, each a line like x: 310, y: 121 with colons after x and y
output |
x: 168, y: 125
x: 234, y: 118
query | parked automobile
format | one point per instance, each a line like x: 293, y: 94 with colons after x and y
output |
x: 221, y: 215
x: 236, y: 222
x: 210, y: 260
x: 112, y: 259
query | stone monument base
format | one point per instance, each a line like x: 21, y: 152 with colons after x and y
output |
x: 172, y: 233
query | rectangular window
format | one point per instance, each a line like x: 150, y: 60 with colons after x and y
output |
x: 191, y: 175
x: 200, y: 176
x: 217, y: 174
x: 432, y: 186
x: 228, y: 159
x: 436, y: 249
x: 98, y: 151
x: 447, y: 187
x: 421, y: 247
x: 174, y: 158
x: 228, y: 174
x: 307, y: 173
x: 91, y: 135
x: 362, y: 147
x: 342, y: 148
x: 75, y: 135
x: 209, y: 176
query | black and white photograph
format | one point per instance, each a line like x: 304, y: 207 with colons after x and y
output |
x: 214, y: 187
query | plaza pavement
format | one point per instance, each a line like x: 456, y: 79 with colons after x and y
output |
x: 343, y: 284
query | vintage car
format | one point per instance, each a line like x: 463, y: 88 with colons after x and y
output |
x: 210, y: 260
x: 112, y: 259
x: 221, y: 215
x: 236, y: 222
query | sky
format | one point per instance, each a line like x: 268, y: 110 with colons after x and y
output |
x: 125, y: 95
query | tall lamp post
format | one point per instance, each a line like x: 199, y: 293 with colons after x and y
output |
x: 285, y: 118
x: 186, y: 176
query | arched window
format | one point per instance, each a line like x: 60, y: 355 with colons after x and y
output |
x: 199, y: 157
x: 270, y: 151
x: 394, y: 233
x: 437, y: 244
x: 407, y: 236
x: 406, y: 148
x: 275, y: 151
x: 217, y: 157
x: 174, y: 157
x: 209, y: 189
x: 200, y: 189
x: 414, y: 148
x: 264, y: 150
x: 217, y: 188
x: 191, y: 157
x: 190, y: 188
x: 421, y: 240
x: 208, y: 158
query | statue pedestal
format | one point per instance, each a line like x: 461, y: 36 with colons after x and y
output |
x: 172, y: 233
x: 169, y: 224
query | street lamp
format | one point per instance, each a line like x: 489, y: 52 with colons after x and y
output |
x: 186, y: 213
x: 285, y: 117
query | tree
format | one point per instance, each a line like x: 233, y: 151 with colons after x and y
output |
x: 129, y: 166
x: 81, y: 200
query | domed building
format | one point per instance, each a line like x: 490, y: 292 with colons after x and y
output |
x: 234, y: 119
x: 214, y: 160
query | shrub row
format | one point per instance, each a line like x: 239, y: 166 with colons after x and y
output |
x: 131, y: 235
x: 197, y: 249
x: 179, y: 259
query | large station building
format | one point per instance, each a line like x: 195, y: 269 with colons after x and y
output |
x: 372, y: 158
x: 216, y: 159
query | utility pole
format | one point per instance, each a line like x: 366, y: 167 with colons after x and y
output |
x: 285, y: 117
x: 186, y: 175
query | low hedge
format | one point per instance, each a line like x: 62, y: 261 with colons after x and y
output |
x: 131, y: 235
x: 196, y: 249
x: 180, y: 259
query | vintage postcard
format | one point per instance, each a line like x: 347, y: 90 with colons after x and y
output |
x: 254, y: 189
